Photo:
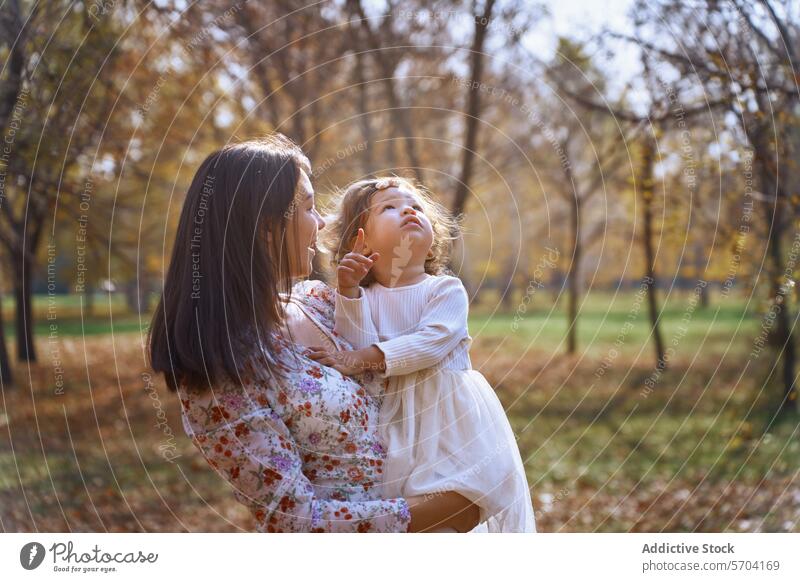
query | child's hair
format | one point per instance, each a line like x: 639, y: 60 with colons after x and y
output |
x: 353, y: 211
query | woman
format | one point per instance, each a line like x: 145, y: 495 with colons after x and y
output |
x: 296, y: 440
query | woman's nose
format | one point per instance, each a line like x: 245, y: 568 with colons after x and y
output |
x: 409, y: 210
x: 320, y: 222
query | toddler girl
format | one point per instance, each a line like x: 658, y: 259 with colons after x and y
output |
x: 443, y: 425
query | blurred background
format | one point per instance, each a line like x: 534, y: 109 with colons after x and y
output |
x: 627, y: 173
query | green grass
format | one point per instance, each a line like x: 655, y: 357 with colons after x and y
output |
x: 67, y: 327
x: 69, y: 305
x: 73, y: 318
x: 598, y: 455
x: 601, y: 319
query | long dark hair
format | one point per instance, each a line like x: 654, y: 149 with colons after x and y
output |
x: 224, y: 278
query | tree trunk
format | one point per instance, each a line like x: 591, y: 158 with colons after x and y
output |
x: 16, y: 28
x: 401, y: 119
x: 5, y: 365
x: 704, y: 292
x: 557, y: 284
x: 270, y: 109
x: 572, y: 276
x: 507, y: 287
x: 705, y: 300
x: 783, y: 337
x: 136, y: 290
x: 473, y: 109
x: 132, y: 299
x: 88, y: 300
x: 399, y: 116
x: 648, y: 160
x: 26, y: 349
x: 363, y: 109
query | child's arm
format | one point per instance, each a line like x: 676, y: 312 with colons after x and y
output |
x: 353, y: 321
x: 352, y: 318
x: 349, y: 362
x: 441, y: 329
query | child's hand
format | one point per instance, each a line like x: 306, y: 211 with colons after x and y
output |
x: 353, y: 267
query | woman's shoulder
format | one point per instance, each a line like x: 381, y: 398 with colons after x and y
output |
x: 312, y: 287
x: 317, y: 296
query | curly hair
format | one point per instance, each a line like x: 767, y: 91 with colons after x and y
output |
x: 353, y: 210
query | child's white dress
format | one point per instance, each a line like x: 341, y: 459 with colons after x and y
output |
x: 444, y: 427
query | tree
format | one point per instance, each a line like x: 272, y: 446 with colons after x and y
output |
x: 64, y: 75
x: 749, y: 67
x: 13, y: 33
x: 473, y: 112
x: 589, y: 161
x: 382, y: 43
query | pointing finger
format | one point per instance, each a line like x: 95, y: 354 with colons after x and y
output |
x: 366, y: 261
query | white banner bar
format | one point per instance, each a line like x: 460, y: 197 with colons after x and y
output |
x: 510, y: 557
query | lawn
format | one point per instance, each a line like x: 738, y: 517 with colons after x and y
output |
x: 699, y: 452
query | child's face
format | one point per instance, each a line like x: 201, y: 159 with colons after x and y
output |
x: 397, y: 225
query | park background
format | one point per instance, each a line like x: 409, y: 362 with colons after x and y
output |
x: 628, y: 181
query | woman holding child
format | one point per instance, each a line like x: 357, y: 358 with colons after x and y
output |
x: 291, y: 395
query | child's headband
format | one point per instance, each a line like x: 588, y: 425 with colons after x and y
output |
x: 385, y: 183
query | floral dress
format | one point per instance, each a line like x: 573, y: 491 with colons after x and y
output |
x: 302, y: 451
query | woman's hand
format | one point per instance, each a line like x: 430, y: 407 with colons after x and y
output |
x: 441, y: 510
x: 353, y: 267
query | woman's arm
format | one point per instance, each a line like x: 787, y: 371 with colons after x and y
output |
x: 257, y: 455
x: 448, y: 509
